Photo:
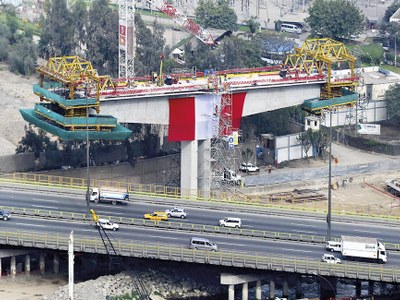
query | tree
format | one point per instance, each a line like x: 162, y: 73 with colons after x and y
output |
x: 102, y: 38
x: 35, y: 142
x: 80, y: 24
x: 335, y: 18
x: 392, y: 98
x: 253, y: 24
x: 57, y: 38
x: 22, y: 59
x: 305, y: 140
x: 217, y: 15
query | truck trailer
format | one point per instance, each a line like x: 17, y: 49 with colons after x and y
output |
x: 363, y: 248
x: 109, y: 194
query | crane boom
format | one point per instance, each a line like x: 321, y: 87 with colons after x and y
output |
x: 184, y: 21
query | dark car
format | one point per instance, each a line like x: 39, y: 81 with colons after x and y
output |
x: 4, y: 214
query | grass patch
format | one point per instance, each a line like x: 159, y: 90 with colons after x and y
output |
x: 391, y: 68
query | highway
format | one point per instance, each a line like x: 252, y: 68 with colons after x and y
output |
x: 136, y: 209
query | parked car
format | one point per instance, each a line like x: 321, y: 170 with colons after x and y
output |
x: 248, y: 167
x: 331, y: 259
x: 107, y: 224
x: 230, y: 222
x: 156, y: 216
x: 176, y: 212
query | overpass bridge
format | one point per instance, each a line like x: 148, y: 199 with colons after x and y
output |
x: 197, y: 107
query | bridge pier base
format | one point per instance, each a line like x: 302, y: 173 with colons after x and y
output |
x: 258, y: 290
x: 358, y: 288
x: 42, y: 265
x: 27, y: 265
x: 56, y: 264
x: 231, y: 292
x: 285, y: 288
x: 204, y: 168
x: 189, y: 166
x: 272, y: 289
x: 245, y: 291
x: 13, y: 266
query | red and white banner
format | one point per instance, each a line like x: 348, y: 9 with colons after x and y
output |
x: 198, y: 118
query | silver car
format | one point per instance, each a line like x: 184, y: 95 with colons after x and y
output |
x: 176, y: 212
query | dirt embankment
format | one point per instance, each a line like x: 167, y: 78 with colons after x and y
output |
x: 15, y: 93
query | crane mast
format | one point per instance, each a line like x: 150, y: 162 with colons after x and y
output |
x: 126, y: 39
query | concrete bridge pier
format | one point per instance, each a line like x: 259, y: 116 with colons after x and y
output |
x: 285, y: 288
x: 231, y: 292
x: 271, y: 289
x: 56, y: 264
x: 358, y: 288
x: 13, y: 266
x: 28, y: 265
x: 189, y: 169
x: 42, y: 265
x: 204, y: 167
x: 1, y: 268
x: 258, y: 290
x: 299, y: 288
x: 245, y: 291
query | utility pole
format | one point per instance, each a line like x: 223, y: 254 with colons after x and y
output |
x: 329, y: 215
x: 71, y: 266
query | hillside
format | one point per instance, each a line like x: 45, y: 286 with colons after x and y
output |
x: 15, y: 93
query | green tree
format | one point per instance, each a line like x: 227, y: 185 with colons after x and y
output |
x: 80, y: 23
x: 149, y: 47
x: 102, y: 38
x: 335, y: 18
x: 392, y: 98
x: 35, y: 142
x: 217, y: 15
x: 22, y: 58
x: 305, y: 140
x: 57, y: 38
x: 4, y: 48
x: 253, y: 24
x: 392, y: 8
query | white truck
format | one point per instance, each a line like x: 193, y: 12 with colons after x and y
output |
x: 363, y: 248
x: 231, y: 177
x: 393, y: 186
x: 109, y: 194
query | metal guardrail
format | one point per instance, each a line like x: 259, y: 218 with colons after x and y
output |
x: 190, y: 227
x: 223, y: 258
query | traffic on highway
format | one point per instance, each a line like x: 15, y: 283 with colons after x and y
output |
x: 194, y: 214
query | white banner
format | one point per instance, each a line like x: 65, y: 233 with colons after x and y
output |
x: 369, y: 129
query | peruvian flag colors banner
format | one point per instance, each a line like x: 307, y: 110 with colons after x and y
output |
x: 198, y: 117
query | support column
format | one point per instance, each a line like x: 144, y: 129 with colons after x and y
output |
x: 299, y: 288
x: 1, y: 269
x: 245, y: 291
x: 42, y: 264
x: 28, y: 265
x: 204, y: 168
x: 231, y: 292
x: 285, y: 288
x: 189, y: 173
x: 258, y: 290
x: 358, y: 288
x: 271, y: 289
x: 13, y: 266
x: 370, y: 288
x: 56, y: 264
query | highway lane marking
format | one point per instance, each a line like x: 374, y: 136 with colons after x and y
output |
x: 41, y: 206
x: 302, y: 232
x: 297, y: 250
x: 307, y: 225
x: 366, y: 231
x: 55, y: 201
x: 34, y: 225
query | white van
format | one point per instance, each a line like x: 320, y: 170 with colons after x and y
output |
x: 333, y: 246
x: 290, y: 28
x: 230, y: 222
x: 202, y: 244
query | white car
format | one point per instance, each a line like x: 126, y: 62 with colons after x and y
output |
x: 176, y: 212
x: 331, y: 259
x: 230, y: 222
x: 107, y: 224
x: 249, y: 167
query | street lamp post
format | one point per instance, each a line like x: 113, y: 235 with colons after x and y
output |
x: 87, y: 158
x: 327, y: 281
x: 328, y: 216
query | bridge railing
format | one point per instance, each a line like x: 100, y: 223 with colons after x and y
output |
x: 224, y: 258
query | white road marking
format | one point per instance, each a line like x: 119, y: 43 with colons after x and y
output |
x: 163, y: 237
x: 31, y: 225
x: 46, y: 200
x: 304, y: 232
x: 296, y: 250
x: 366, y: 231
x: 48, y: 207
x: 306, y: 225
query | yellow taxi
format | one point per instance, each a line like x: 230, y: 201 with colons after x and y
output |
x: 157, y: 216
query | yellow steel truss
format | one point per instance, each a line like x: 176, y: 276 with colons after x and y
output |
x: 319, y: 55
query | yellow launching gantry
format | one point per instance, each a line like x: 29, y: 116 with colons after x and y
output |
x: 320, y: 55
x: 76, y: 74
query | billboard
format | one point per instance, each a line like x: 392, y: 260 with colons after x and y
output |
x: 369, y: 129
